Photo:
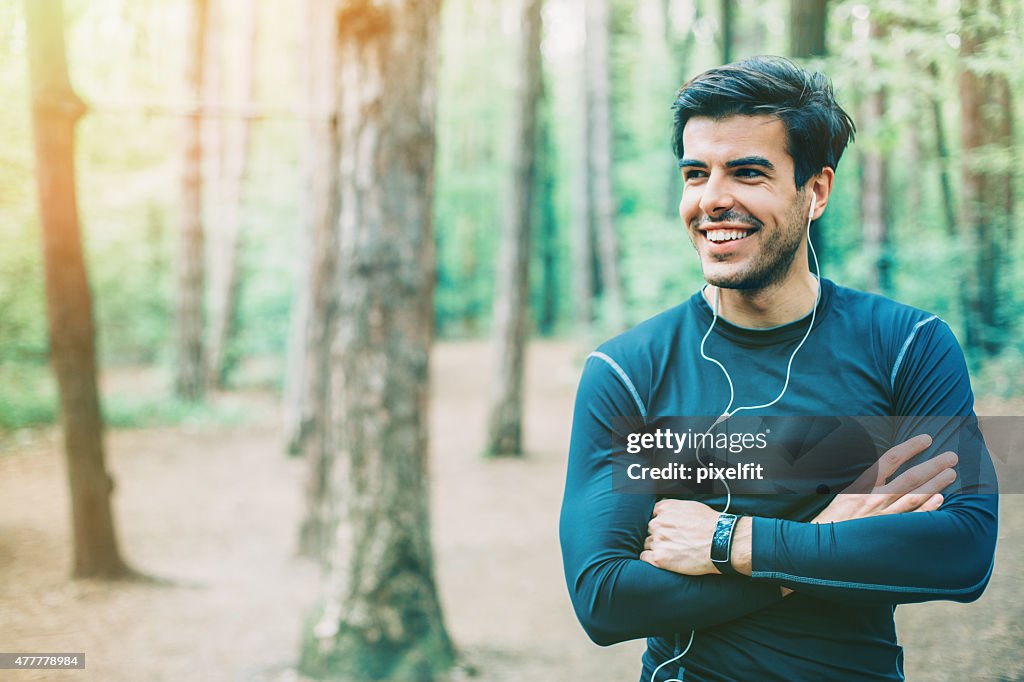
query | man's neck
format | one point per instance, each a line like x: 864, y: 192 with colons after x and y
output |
x: 769, y: 307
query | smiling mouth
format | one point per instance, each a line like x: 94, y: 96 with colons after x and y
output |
x: 722, y: 236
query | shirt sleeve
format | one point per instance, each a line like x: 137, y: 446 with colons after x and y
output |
x: 615, y: 595
x: 913, y: 557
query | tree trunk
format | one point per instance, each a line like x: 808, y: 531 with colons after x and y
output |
x: 600, y: 160
x: 190, y: 376
x: 987, y: 190
x: 316, y: 298
x: 582, y: 242
x: 679, y: 51
x: 213, y: 85
x: 874, y: 206
x: 942, y: 151
x: 807, y: 20
x: 547, y: 317
x: 807, y: 24
x: 55, y: 110
x: 727, y: 29
x: 380, y: 618
x: 511, y: 304
x: 228, y: 246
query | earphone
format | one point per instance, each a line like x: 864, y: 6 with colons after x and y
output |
x: 728, y: 412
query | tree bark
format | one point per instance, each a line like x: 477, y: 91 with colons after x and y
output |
x: 512, y: 302
x: 807, y: 21
x: 679, y: 50
x: 380, y: 617
x: 727, y: 29
x: 547, y: 317
x: 55, y: 110
x: 874, y: 206
x: 228, y: 245
x: 600, y: 160
x: 807, y: 24
x: 987, y: 190
x: 942, y: 151
x: 582, y: 241
x: 316, y: 297
x: 190, y: 376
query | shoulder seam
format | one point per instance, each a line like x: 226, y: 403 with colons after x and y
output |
x: 903, y: 350
x: 625, y: 379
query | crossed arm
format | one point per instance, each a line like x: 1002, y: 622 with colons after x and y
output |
x: 860, y: 546
x: 679, y: 533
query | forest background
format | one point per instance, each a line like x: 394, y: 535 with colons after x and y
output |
x: 925, y: 210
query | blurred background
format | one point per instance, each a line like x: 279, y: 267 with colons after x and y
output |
x: 219, y: 163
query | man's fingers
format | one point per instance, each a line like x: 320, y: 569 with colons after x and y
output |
x: 908, y: 503
x: 647, y: 556
x: 898, y: 455
x: 649, y: 542
x: 923, y: 498
x: 924, y: 476
x: 917, y: 502
x: 933, y: 503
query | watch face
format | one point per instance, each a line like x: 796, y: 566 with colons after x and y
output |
x: 722, y: 538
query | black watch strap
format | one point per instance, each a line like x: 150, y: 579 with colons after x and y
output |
x: 721, y: 543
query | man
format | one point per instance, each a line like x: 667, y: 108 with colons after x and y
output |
x: 811, y: 581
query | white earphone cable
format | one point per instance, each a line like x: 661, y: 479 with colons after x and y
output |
x: 732, y: 396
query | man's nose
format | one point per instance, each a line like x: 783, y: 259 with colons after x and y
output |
x: 716, y: 197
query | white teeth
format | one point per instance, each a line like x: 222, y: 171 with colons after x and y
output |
x: 725, y: 235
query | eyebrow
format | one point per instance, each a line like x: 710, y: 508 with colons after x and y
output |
x: 750, y: 161
x: 742, y: 161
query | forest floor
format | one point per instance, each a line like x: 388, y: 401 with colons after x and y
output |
x: 214, y: 508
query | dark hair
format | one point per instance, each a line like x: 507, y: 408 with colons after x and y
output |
x: 817, y: 128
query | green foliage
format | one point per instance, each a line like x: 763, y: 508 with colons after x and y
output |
x: 130, y: 411
x: 123, y: 53
x: 28, y: 396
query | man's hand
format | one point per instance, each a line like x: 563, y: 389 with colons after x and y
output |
x: 917, y: 489
x: 679, y: 537
x: 679, y: 532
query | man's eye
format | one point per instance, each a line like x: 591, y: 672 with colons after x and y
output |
x: 749, y: 173
x: 694, y: 174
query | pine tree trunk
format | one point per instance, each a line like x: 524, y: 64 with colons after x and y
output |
x: 600, y: 160
x: 225, y: 291
x: 942, y: 151
x: 726, y: 10
x: 874, y: 184
x: 55, y: 110
x: 313, y: 321
x: 582, y: 237
x: 987, y: 191
x: 511, y: 304
x: 679, y: 51
x: 807, y: 22
x: 190, y: 377
x: 381, y: 618
x: 547, y: 317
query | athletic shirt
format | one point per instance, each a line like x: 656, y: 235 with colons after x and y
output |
x: 866, y: 355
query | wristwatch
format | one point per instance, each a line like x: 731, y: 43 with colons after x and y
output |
x: 721, y: 543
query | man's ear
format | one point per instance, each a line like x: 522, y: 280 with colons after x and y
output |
x: 821, y: 185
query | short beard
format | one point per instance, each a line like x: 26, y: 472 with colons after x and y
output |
x: 776, y: 255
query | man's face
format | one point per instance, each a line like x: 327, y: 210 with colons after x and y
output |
x: 742, y: 210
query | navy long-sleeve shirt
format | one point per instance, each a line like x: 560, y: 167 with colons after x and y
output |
x: 866, y: 355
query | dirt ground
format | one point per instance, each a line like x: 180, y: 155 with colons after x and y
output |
x: 216, y: 509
